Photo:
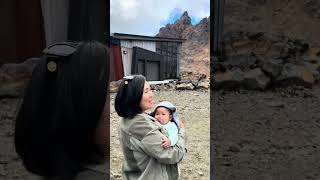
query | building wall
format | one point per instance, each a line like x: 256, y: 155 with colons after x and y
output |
x: 8, y: 34
x: 149, y: 45
x: 21, y: 31
x: 116, y: 70
x: 172, y: 55
x: 179, y: 59
x: 126, y: 52
x: 55, y: 21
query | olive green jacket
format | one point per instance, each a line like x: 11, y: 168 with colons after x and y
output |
x: 144, y: 158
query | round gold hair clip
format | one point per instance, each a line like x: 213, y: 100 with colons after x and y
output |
x: 52, y: 66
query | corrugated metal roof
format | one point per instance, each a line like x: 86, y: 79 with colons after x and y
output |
x: 149, y: 45
x: 122, y: 36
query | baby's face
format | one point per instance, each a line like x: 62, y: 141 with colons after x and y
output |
x: 163, y: 115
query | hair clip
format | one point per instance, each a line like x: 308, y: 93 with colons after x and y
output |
x: 52, y: 66
x: 127, y: 78
x: 64, y: 49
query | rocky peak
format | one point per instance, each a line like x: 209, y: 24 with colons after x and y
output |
x: 185, y: 13
x: 185, y: 19
x: 175, y: 30
x: 204, y: 24
x: 195, y: 50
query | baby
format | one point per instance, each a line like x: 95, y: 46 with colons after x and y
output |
x: 165, y: 113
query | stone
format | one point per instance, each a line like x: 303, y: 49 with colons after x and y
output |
x: 234, y: 149
x: 243, y: 46
x: 228, y: 80
x: 262, y: 47
x: 312, y: 55
x: 244, y: 62
x: 114, y: 86
x: 256, y: 80
x: 314, y: 68
x: 295, y: 75
x: 285, y: 51
x: 276, y: 50
x: 275, y: 103
x: 117, y: 176
x: 272, y: 67
x: 311, y: 59
x: 14, y: 77
x: 204, y: 84
x: 157, y: 87
x: 183, y: 86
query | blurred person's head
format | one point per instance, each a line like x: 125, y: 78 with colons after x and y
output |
x: 134, y: 96
x: 62, y: 124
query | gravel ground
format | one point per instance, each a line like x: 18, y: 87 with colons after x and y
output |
x: 258, y: 135
x: 10, y: 165
x: 267, y: 135
x: 194, y: 109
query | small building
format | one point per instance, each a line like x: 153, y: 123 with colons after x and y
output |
x: 157, y: 58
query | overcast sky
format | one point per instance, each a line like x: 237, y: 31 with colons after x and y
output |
x: 146, y: 17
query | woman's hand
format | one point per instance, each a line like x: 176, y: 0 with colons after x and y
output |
x: 166, y: 143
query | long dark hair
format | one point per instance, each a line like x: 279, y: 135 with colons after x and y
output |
x: 55, y: 127
x: 127, y: 101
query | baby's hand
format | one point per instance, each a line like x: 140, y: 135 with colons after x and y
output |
x: 165, y: 142
x: 181, y: 124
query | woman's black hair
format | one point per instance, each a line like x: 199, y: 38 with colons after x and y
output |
x: 56, y: 125
x: 127, y: 101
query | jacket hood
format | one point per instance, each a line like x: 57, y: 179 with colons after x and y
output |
x: 169, y: 106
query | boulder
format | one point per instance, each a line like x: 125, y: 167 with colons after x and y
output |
x: 14, y: 77
x: 272, y: 67
x: 277, y: 50
x: 314, y: 68
x: 114, y: 86
x: 185, y: 86
x: 244, y: 62
x: 256, y: 80
x: 295, y: 75
x: 204, y: 84
x: 228, y: 80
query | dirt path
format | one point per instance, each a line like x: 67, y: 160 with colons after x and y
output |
x: 194, y: 108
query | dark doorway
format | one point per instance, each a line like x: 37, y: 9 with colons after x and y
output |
x: 148, y: 63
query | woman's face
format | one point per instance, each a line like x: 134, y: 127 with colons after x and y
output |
x: 147, y: 97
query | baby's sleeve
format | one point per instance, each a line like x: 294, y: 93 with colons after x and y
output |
x: 173, y: 133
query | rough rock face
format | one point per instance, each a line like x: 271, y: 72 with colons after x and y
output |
x: 175, y: 30
x: 279, y: 37
x: 292, y: 18
x: 195, y: 50
x: 256, y: 79
x: 282, y: 60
